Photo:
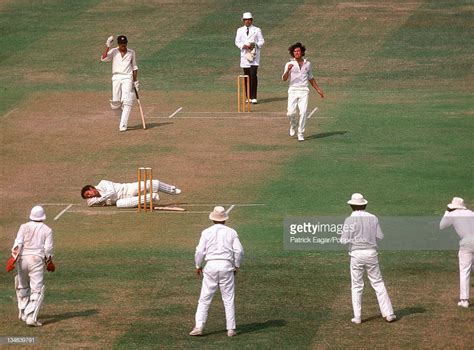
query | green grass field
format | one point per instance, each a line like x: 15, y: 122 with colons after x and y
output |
x: 396, y: 124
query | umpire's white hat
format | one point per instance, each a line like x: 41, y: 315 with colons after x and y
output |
x: 37, y: 213
x: 457, y: 203
x: 218, y: 214
x: 247, y: 15
x: 357, y: 199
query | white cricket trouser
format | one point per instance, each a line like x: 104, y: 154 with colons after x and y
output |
x: 122, y: 90
x: 297, y: 100
x: 466, y: 257
x: 217, y: 273
x: 130, y: 193
x: 29, y: 281
x: 367, y: 260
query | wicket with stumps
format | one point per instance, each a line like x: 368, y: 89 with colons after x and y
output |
x: 145, y: 199
x: 243, y: 93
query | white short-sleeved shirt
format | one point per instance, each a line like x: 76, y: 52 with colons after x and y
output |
x: 125, y: 64
x: 299, y: 77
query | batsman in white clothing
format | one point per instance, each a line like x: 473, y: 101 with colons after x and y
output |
x: 299, y: 72
x: 123, y: 195
x: 462, y: 219
x: 360, y: 232
x: 32, y: 251
x: 124, y: 77
x: 220, y: 247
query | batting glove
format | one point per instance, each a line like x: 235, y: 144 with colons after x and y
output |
x: 136, y: 84
x: 10, y: 264
x: 109, y: 41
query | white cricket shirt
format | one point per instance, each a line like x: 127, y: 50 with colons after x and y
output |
x: 219, y: 242
x: 121, y: 65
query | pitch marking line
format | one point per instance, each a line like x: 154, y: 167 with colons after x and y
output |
x: 175, y: 112
x: 62, y: 212
x: 312, y: 112
x: 10, y: 112
x: 235, y: 117
x: 230, y: 209
x: 149, y: 111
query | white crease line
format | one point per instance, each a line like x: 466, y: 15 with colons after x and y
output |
x: 10, y: 112
x: 256, y: 117
x: 122, y: 211
x: 230, y: 209
x: 175, y: 112
x: 63, y: 211
x: 312, y: 112
x: 58, y: 204
x: 149, y: 111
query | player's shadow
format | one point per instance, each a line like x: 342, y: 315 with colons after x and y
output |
x: 322, y: 135
x: 253, y: 327
x: 148, y: 126
x: 48, y: 319
x: 400, y: 313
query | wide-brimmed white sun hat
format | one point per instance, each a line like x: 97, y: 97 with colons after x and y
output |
x: 357, y: 199
x: 457, y: 203
x: 247, y: 15
x: 218, y: 214
x: 37, y: 213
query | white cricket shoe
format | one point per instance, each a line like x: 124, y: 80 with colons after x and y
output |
x: 176, y: 190
x: 300, y: 137
x: 390, y: 318
x: 32, y: 323
x: 292, y: 131
x: 231, y: 333
x: 254, y: 101
x: 356, y: 320
x: 463, y: 303
x: 196, y: 331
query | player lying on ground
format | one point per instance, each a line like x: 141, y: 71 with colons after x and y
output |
x: 123, y: 195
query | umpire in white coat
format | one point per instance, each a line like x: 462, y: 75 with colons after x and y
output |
x: 361, y: 231
x: 249, y: 40
x: 220, y: 247
x: 32, y: 250
x: 462, y: 220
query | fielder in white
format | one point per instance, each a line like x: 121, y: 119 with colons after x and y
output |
x: 124, y: 77
x: 123, y: 195
x: 32, y: 250
x: 249, y: 39
x: 462, y: 219
x: 361, y: 231
x: 220, y: 247
x: 299, y: 72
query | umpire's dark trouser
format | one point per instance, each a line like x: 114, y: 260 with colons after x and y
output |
x: 252, y: 73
